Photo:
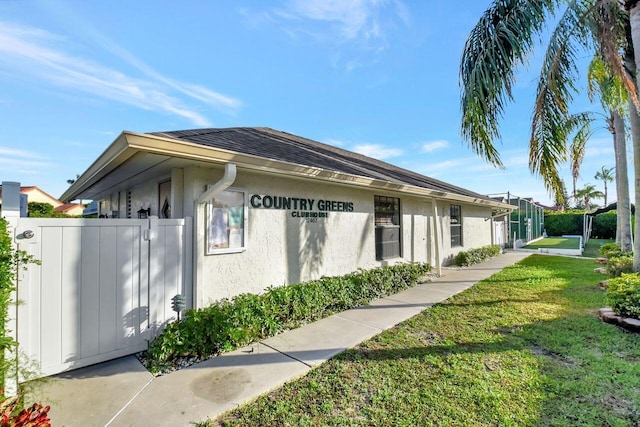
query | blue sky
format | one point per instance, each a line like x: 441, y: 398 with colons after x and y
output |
x: 377, y: 77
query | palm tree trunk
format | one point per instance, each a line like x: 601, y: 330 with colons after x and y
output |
x: 623, y: 223
x: 634, y: 20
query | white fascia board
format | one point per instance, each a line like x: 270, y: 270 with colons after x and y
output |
x: 129, y: 143
x: 116, y: 154
x: 183, y: 149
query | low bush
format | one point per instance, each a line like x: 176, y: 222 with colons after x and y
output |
x: 476, y: 255
x: 247, y: 318
x: 623, y: 293
x: 621, y: 263
x: 608, y: 249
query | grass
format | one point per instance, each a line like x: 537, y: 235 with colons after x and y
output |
x: 591, y: 249
x: 523, y: 347
x: 555, y: 243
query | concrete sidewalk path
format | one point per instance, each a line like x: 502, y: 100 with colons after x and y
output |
x: 122, y: 393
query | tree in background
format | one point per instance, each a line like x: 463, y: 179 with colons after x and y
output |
x: 43, y: 210
x: 587, y: 194
x: 72, y: 180
x: 561, y: 200
x: 504, y: 38
x: 605, y: 175
x: 614, y: 99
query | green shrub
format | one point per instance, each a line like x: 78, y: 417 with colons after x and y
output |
x: 604, y: 226
x: 558, y: 224
x: 617, y: 265
x: 623, y: 293
x: 609, y: 248
x: 229, y: 324
x: 476, y: 255
x: 561, y: 223
x: 11, y: 261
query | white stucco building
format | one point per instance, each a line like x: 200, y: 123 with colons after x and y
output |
x: 271, y: 208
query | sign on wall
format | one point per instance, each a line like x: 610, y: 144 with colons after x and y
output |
x: 299, y: 207
x: 225, y: 222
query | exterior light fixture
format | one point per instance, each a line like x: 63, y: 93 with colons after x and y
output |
x: 144, y: 213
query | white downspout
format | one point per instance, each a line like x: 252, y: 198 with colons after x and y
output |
x: 436, y: 232
x: 227, y: 179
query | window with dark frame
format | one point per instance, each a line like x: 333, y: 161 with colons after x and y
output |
x: 387, y: 227
x: 455, y: 219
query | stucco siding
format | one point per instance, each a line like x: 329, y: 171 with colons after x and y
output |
x: 282, y: 248
x: 476, y: 228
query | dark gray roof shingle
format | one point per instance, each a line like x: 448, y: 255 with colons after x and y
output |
x: 281, y: 146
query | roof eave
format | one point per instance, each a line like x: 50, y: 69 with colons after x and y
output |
x: 116, y: 154
x: 129, y: 143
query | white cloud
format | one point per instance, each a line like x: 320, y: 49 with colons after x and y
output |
x: 516, y: 161
x: 430, y: 146
x: 34, y: 52
x: 443, y: 166
x: 362, y: 24
x: 598, y: 151
x: 12, y: 152
x: 12, y: 164
x: 377, y: 151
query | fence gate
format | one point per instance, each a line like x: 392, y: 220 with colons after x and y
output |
x: 103, y: 288
x: 499, y: 233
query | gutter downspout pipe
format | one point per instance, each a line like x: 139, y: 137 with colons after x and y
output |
x: 436, y: 232
x: 225, y: 182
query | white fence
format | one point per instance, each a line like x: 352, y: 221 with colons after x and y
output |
x: 103, y: 288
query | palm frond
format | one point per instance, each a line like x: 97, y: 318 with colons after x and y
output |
x: 581, y: 123
x: 552, y: 125
x: 603, y: 82
x: 610, y: 27
x: 498, y: 44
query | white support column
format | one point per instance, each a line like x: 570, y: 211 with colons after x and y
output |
x: 436, y: 235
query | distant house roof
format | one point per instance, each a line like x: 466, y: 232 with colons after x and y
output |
x: 130, y: 158
x: 35, y: 194
x: 70, y: 209
x: 276, y: 145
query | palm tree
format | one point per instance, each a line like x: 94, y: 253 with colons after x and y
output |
x: 614, y: 98
x: 588, y: 193
x: 503, y: 39
x: 633, y: 8
x: 605, y: 175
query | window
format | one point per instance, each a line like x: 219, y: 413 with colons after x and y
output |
x: 226, y: 222
x: 164, y: 199
x: 387, y: 222
x: 455, y: 219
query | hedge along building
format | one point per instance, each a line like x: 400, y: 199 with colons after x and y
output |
x: 271, y: 208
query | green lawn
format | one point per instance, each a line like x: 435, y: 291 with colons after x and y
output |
x: 523, y: 347
x: 555, y: 243
x: 591, y: 249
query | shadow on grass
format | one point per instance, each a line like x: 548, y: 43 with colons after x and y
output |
x: 588, y: 371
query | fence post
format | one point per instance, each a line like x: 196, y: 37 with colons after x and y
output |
x: 11, y: 212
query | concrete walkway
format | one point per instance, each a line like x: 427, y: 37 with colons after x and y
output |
x: 122, y: 393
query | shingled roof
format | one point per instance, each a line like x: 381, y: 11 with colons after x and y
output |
x: 281, y: 146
